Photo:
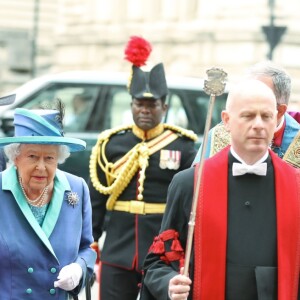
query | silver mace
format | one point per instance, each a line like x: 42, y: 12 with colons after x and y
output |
x: 213, y: 86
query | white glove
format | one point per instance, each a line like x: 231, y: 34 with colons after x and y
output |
x: 69, y: 277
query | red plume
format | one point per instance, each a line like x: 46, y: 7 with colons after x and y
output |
x: 137, y: 51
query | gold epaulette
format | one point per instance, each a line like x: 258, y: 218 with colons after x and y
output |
x: 106, y: 134
x: 185, y: 132
x: 136, y: 158
x: 98, y: 157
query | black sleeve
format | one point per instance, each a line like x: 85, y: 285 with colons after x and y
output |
x: 188, y: 153
x: 157, y: 273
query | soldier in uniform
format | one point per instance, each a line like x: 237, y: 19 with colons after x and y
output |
x: 286, y: 140
x: 130, y: 169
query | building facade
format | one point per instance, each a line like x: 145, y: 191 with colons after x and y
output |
x: 27, y: 40
x: 189, y: 36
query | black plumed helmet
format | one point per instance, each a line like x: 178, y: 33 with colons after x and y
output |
x: 150, y: 84
x: 143, y: 84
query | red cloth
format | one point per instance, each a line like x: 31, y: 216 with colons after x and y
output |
x: 278, y: 136
x: 211, y: 229
x: 295, y: 115
x: 176, y: 253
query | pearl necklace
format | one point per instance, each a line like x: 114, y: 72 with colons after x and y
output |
x: 40, y: 200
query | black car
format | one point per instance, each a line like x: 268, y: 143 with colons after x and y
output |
x: 96, y: 101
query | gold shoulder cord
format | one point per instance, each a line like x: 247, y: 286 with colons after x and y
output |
x: 137, y: 158
x: 185, y: 132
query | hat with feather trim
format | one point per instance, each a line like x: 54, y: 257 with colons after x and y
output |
x: 41, y: 126
x: 144, y: 84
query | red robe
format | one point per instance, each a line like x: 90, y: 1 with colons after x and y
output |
x: 210, y: 245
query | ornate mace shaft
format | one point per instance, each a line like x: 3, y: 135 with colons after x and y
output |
x: 213, y: 86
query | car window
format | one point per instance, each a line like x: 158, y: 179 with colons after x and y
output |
x: 77, y: 99
x: 121, y: 109
x: 93, y: 108
x: 201, y: 107
x: 188, y: 109
x: 176, y: 114
x: 114, y: 108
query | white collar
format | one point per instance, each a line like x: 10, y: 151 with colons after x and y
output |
x: 234, y: 154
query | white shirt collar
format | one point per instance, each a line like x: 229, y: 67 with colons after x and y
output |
x: 234, y: 154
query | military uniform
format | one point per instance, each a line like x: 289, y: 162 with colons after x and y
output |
x: 130, y: 169
x: 145, y: 166
x: 136, y: 215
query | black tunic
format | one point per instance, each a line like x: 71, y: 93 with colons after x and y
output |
x: 251, y: 240
x: 129, y: 236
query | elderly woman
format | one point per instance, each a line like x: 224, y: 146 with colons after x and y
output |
x: 45, y: 213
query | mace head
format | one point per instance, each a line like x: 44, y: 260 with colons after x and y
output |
x: 216, y: 81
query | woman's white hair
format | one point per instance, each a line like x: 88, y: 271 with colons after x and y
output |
x: 13, y: 150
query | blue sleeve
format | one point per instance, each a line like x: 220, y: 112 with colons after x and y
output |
x: 207, y: 150
x: 86, y: 256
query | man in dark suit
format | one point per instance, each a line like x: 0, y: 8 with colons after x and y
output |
x: 247, y: 230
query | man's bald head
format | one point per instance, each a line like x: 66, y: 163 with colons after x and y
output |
x: 247, y: 89
x: 250, y: 117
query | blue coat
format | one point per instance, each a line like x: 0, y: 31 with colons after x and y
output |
x: 31, y: 256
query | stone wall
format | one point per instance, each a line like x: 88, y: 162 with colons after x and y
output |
x: 20, y: 21
x: 189, y: 36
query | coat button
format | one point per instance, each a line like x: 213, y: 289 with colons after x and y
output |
x: 53, y: 270
x: 29, y: 291
x: 52, y: 291
x: 30, y: 270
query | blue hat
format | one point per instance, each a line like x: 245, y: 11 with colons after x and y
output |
x: 40, y: 127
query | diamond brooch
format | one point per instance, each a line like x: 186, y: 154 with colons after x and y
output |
x: 73, y: 198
